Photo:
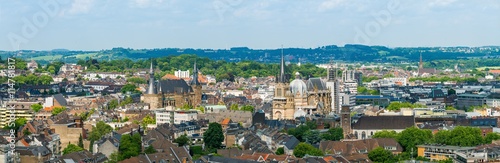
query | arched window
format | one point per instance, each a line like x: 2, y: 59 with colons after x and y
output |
x: 356, y: 134
x: 363, y: 135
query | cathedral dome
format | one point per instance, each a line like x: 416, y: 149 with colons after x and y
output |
x: 298, y: 86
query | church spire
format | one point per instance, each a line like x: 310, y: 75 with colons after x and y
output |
x: 421, y: 64
x: 151, y: 88
x: 195, y: 75
x: 282, y: 69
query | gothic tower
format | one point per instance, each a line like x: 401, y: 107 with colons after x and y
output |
x: 421, y: 63
x: 151, y: 96
x: 280, y: 99
x: 196, y: 86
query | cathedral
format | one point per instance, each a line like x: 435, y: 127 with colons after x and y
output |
x: 299, y: 97
x: 173, y: 92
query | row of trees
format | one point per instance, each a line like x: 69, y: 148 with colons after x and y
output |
x: 444, y: 79
x: 249, y: 108
x: 395, y: 106
x: 221, y: 69
x: 459, y: 136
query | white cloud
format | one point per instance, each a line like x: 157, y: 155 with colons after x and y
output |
x: 330, y: 4
x: 80, y: 6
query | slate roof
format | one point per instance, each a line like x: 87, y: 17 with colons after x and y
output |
x: 222, y: 159
x: 292, y: 142
x: 60, y: 99
x: 313, y: 83
x: 33, y: 150
x: 174, y: 86
x: 384, y: 122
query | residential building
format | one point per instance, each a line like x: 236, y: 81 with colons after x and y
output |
x: 175, y: 116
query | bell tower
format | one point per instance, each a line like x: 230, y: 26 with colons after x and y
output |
x: 196, y: 86
x: 345, y: 120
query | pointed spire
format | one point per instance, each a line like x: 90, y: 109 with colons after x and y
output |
x: 282, y: 69
x: 421, y: 64
x: 151, y: 88
x: 195, y: 75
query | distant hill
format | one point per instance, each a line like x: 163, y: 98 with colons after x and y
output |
x: 347, y: 53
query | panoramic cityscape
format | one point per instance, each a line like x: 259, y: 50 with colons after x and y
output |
x: 229, y: 81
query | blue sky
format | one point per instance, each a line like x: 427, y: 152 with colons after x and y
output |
x: 260, y: 24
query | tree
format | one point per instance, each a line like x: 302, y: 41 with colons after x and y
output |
x: 465, y: 136
x: 312, y: 137
x: 298, y: 132
x: 488, y: 139
x: 413, y: 136
x: 128, y: 100
x: 182, y: 140
x: 150, y: 150
x: 213, y: 137
x: 303, y: 148
x: 80, y: 141
x: 99, y: 130
x: 113, y: 104
x: 186, y: 107
x: 394, y: 106
x: 130, y: 146
x: 386, y: 134
x: 16, y: 125
x: 114, y: 157
x: 201, y: 109
x: 58, y: 110
x: 311, y: 125
x: 333, y: 134
x: 450, y: 108
x: 248, y: 108
x: 71, y: 148
x: 280, y: 151
x: 129, y: 88
x: 36, y: 107
x: 148, y: 120
x: 379, y: 154
x: 234, y: 107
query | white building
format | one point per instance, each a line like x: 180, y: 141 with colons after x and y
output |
x: 175, y: 116
x: 101, y: 75
x: 182, y: 74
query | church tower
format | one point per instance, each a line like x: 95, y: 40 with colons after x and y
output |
x: 151, y: 96
x: 421, y: 63
x: 345, y: 120
x: 196, y: 86
x: 280, y: 99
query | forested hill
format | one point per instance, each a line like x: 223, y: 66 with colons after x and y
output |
x: 348, y: 53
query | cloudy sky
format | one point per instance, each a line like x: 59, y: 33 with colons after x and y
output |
x: 220, y: 24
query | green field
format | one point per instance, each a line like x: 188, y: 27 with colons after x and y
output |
x: 48, y: 58
x: 492, y: 67
x: 83, y: 56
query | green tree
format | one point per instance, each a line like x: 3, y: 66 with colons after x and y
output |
x: 465, y: 136
x: 136, y: 80
x: 333, y: 134
x: 150, y: 150
x: 130, y: 146
x: 213, y: 137
x: 386, y: 134
x: 303, y: 148
x: 58, y: 110
x: 182, y: 140
x: 148, y: 120
x: 201, y: 109
x: 80, y: 141
x: 280, y: 151
x: 298, y: 132
x: 379, y: 154
x: 114, y: 157
x: 312, y: 137
x: 71, y: 148
x: 488, y: 139
x: 99, y: 130
x: 16, y: 125
x: 248, y: 108
x: 129, y: 88
x: 128, y: 100
x: 311, y: 125
x: 186, y: 107
x: 113, y: 104
x: 398, y: 105
x: 413, y: 136
x: 450, y: 108
x: 36, y: 107
x: 234, y: 107
x: 442, y: 137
